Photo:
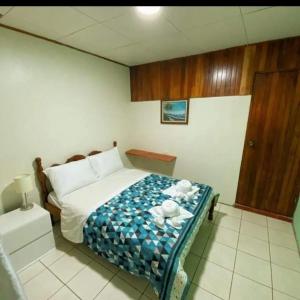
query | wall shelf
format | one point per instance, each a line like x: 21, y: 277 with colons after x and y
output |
x: 151, y: 155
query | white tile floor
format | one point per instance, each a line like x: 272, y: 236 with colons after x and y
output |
x: 238, y: 256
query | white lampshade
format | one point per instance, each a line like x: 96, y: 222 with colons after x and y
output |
x: 23, y: 183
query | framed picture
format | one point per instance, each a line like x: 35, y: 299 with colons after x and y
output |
x: 174, y: 111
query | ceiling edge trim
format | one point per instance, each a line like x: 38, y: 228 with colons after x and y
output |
x: 60, y: 43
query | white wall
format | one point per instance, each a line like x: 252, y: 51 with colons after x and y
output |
x: 55, y: 101
x: 208, y: 149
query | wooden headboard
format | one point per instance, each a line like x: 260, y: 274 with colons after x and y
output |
x: 44, y: 183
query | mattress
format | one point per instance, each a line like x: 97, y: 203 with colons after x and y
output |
x: 78, y: 205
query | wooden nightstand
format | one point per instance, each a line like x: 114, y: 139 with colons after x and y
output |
x: 26, y: 235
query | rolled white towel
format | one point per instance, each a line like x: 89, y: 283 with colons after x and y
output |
x: 159, y: 221
x: 170, y: 208
x: 176, y: 221
x: 183, y: 186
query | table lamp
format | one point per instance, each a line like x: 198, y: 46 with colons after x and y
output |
x: 23, y: 185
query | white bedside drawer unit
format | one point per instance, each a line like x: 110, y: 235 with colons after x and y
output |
x: 26, y: 235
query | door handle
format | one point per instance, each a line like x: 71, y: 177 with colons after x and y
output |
x: 251, y: 143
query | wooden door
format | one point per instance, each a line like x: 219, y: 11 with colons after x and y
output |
x: 269, y: 180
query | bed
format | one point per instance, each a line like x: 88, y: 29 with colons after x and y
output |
x: 111, y: 216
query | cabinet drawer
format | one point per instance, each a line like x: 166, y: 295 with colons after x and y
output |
x: 32, y: 251
x: 18, y: 237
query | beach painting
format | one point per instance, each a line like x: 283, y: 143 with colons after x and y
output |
x: 174, y: 111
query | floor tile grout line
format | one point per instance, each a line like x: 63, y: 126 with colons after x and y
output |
x: 247, y: 234
x: 251, y: 279
x: 56, y: 276
x: 23, y: 283
x: 284, y: 293
x: 265, y: 260
x: 256, y: 237
x: 208, y: 237
x: 144, y: 292
x: 114, y: 273
x: 105, y: 285
x: 280, y: 246
x: 43, y: 264
x: 269, y: 246
x: 272, y: 243
x: 230, y: 289
x: 65, y: 286
x: 272, y: 228
x: 63, y: 254
x: 237, y: 272
x: 258, y: 257
x: 130, y: 283
x: 209, y: 292
x: 98, y: 262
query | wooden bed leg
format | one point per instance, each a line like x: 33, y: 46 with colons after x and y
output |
x: 211, y: 210
x: 212, y: 206
x: 52, y: 219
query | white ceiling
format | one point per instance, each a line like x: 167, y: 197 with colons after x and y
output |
x: 120, y: 34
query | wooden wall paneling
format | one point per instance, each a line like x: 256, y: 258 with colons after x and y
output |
x: 207, y: 75
x: 225, y: 73
x: 240, y: 57
x: 233, y: 71
x: 247, y: 68
x: 260, y: 59
x: 194, y: 82
x: 213, y: 69
x: 219, y: 73
x: 145, y: 82
x: 289, y: 55
x: 173, y: 79
x: 227, y: 82
x: 216, y: 71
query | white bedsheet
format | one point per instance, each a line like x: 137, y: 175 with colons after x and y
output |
x: 52, y: 198
x: 78, y: 205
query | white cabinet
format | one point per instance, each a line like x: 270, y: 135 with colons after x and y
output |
x: 26, y: 235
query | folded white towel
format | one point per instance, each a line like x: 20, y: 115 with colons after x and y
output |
x: 175, y: 221
x: 159, y: 221
x: 171, y: 191
x: 177, y: 196
x: 170, y: 209
x: 183, y: 186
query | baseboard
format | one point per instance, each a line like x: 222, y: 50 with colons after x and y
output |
x: 264, y: 212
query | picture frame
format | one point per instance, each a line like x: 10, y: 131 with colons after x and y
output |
x: 174, y: 111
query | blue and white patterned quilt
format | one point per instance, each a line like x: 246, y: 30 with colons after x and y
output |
x: 123, y: 231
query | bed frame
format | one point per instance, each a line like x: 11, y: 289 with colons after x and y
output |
x: 45, y: 186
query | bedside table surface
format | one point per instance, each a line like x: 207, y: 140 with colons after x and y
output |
x: 18, y: 218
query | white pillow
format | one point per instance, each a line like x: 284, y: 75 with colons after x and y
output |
x: 106, y: 162
x: 69, y: 177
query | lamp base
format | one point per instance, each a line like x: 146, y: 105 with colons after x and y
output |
x: 27, y: 206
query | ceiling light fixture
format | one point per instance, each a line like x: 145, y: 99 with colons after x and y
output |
x: 148, y: 10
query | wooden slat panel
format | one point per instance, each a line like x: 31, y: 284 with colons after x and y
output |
x: 219, y: 73
x: 145, y: 82
x: 173, y: 83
